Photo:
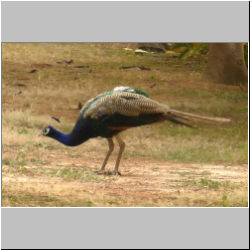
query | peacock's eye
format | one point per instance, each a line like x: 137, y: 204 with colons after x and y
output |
x: 46, y: 131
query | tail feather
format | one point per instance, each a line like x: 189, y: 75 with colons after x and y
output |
x: 185, y: 114
x: 175, y: 119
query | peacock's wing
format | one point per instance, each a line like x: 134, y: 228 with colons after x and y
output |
x: 122, y: 102
x: 115, y: 90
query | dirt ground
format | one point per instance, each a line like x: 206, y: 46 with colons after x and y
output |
x: 144, y: 182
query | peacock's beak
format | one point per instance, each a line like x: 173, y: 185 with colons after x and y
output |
x: 40, y: 134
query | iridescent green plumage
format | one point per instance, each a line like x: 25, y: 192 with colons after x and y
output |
x: 142, y: 92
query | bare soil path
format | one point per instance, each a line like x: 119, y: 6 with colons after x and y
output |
x: 64, y: 181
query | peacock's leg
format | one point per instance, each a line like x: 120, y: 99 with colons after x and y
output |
x: 111, y: 148
x: 122, y: 146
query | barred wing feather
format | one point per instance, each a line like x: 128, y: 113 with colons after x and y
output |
x: 124, y: 103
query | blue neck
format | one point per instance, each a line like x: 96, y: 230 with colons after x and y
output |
x: 70, y: 139
x: 81, y: 132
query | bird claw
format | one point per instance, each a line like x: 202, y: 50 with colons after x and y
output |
x: 100, y: 172
x: 116, y: 173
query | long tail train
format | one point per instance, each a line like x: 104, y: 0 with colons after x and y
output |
x: 185, y: 114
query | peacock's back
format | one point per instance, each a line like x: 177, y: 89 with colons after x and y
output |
x: 124, y: 101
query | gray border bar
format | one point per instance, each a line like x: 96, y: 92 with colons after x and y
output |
x: 164, y: 21
x: 120, y: 228
x: 125, y: 22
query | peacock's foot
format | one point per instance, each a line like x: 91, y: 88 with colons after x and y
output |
x: 114, y: 172
x: 100, y: 171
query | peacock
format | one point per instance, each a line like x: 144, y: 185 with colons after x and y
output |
x: 112, y: 112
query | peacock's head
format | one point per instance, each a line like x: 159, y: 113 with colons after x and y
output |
x: 48, y: 131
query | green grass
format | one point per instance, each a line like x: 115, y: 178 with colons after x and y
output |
x: 23, y: 131
x: 228, y: 201
x: 19, y: 161
x: 190, y: 153
x: 6, y: 161
x: 210, y: 183
x: 36, y: 161
x: 224, y: 201
x: 32, y: 200
x: 78, y: 174
x: 184, y: 182
x: 41, y: 200
x: 181, y: 172
x: 68, y: 174
x: 184, y: 173
x: 205, y: 183
x: 113, y: 202
x: 84, y: 203
x: 22, y: 166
